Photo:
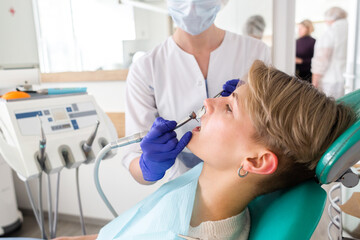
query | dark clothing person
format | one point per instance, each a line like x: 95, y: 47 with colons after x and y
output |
x: 305, y: 51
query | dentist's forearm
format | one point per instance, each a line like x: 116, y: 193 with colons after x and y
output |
x: 136, y: 172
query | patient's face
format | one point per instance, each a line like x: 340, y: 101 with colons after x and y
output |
x: 225, y: 136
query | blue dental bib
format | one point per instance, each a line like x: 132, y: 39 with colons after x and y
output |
x: 162, y: 215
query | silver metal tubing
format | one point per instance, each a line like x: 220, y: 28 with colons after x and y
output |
x: 79, y: 201
x: 50, y: 211
x: 35, y: 210
x: 56, y: 206
x: 41, y: 213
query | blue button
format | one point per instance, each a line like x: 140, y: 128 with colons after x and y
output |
x: 50, y: 119
x: 46, y: 112
x: 68, y: 109
x: 28, y: 114
x: 74, y: 123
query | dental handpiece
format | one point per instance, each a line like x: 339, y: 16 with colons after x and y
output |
x: 42, y: 146
x: 87, y: 145
x: 137, y: 137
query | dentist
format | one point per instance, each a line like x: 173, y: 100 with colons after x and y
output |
x: 174, y: 79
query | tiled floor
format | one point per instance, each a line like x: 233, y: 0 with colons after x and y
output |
x: 30, y: 228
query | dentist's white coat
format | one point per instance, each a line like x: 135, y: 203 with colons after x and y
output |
x: 168, y: 82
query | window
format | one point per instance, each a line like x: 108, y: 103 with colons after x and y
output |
x: 83, y: 35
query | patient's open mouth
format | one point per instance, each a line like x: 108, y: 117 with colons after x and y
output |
x: 197, y: 129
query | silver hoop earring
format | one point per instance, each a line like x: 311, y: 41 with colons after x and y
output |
x: 245, y: 174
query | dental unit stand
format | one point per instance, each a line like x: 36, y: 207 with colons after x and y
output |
x: 349, y: 180
x: 47, y: 133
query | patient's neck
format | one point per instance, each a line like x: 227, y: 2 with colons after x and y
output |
x: 220, y: 195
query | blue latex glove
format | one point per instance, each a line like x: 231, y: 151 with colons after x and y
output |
x: 229, y: 87
x: 160, y: 148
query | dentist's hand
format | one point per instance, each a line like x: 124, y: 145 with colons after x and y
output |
x: 160, y: 148
x: 229, y: 87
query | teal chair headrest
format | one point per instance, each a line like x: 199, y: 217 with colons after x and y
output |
x: 288, y: 213
x: 345, y: 151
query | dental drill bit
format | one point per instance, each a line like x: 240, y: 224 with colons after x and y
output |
x: 191, y: 116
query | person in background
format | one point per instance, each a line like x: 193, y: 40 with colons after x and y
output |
x: 304, y: 50
x: 254, y: 27
x: 174, y: 78
x: 329, y: 62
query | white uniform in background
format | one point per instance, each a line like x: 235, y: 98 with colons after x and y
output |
x: 168, y: 82
x: 330, y: 58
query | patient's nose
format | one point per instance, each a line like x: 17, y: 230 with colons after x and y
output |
x: 209, y: 104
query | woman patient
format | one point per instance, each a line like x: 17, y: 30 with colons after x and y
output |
x: 268, y: 135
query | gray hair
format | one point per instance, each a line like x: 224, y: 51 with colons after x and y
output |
x: 255, y: 26
x: 335, y: 13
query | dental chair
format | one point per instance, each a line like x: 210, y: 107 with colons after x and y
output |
x: 294, y: 213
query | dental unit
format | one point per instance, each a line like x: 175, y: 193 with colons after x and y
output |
x: 46, y: 133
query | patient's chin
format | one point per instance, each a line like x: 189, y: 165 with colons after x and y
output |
x: 191, y: 145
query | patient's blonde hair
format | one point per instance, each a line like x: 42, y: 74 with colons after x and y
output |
x: 294, y: 120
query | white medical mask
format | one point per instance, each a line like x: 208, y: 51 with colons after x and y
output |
x: 194, y: 16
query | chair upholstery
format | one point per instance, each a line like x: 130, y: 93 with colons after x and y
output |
x: 345, y: 151
x: 287, y: 214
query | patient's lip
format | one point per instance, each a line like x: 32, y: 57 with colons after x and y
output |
x: 197, y: 129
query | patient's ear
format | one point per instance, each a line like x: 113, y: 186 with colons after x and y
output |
x: 266, y: 163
